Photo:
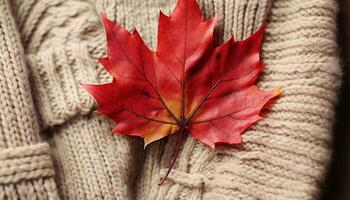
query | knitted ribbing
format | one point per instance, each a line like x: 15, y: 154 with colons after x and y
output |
x: 62, y: 41
x: 25, y: 163
x: 26, y: 170
x: 283, y: 156
x: 91, y: 162
x: 18, y: 121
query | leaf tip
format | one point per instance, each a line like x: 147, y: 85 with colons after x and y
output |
x: 277, y: 91
x: 104, y: 17
x: 212, y: 146
x: 103, y: 14
x: 162, y: 15
x: 108, y: 24
x: 145, y: 144
x: 148, y: 140
x: 84, y: 85
x: 103, y: 60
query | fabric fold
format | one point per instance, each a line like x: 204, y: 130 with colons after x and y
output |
x: 57, y: 74
x: 25, y: 163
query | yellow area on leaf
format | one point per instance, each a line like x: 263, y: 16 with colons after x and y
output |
x: 157, y: 133
x: 277, y: 90
x: 174, y: 106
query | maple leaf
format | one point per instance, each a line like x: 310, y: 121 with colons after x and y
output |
x: 186, y: 86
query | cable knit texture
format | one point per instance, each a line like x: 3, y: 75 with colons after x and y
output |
x: 284, y: 156
x: 26, y: 170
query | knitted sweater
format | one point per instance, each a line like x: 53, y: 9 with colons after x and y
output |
x: 52, y: 146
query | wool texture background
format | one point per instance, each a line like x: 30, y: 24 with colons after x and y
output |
x: 47, y: 47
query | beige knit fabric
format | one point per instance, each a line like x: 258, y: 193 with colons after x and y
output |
x: 284, y: 156
x: 62, y: 40
x: 26, y: 170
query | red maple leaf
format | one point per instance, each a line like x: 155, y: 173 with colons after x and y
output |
x: 187, y: 86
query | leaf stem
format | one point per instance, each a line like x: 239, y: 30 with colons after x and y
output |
x: 176, y: 153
